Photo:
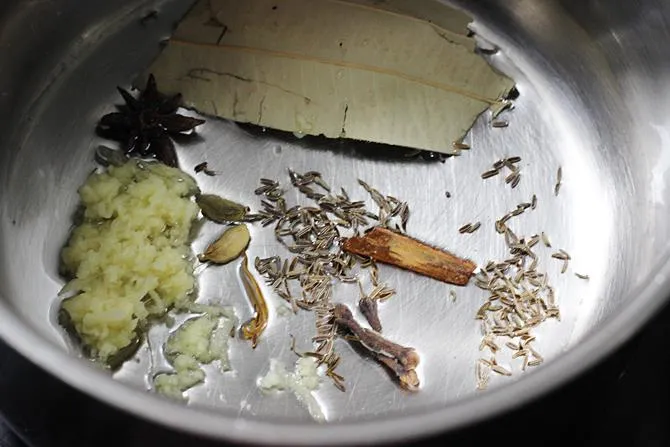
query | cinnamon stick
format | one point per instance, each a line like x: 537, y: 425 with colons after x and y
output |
x: 393, y: 248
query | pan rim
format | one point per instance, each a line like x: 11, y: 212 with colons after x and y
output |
x: 592, y: 349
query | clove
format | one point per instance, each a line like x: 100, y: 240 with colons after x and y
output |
x: 369, y: 309
x: 401, y: 360
x: 408, y: 378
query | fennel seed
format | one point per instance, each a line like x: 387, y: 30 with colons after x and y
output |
x: 490, y: 173
x: 470, y: 227
x: 313, y: 234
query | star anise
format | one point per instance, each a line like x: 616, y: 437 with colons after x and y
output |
x: 145, y: 125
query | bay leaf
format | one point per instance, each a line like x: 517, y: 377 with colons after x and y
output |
x: 361, y: 69
x: 450, y: 23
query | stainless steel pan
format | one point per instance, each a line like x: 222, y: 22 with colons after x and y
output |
x: 595, y: 99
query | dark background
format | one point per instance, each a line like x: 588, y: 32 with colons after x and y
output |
x: 623, y: 401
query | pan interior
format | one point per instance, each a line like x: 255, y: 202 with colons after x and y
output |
x: 570, y: 114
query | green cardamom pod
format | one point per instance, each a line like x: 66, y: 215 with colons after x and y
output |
x: 220, y: 210
x: 229, y: 246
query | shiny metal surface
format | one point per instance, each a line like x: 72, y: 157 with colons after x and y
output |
x: 594, y: 100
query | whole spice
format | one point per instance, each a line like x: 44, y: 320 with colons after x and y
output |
x: 368, y: 304
x: 253, y: 328
x: 519, y: 300
x: 146, y: 125
x: 300, y: 89
x: 369, y: 310
x: 460, y: 145
x: 229, y: 246
x: 514, y: 177
x: 389, y: 247
x: 204, y: 168
x: 391, y: 210
x: 408, y: 378
x: 220, y: 210
x: 401, y: 360
x: 314, y: 235
x: 470, y: 228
